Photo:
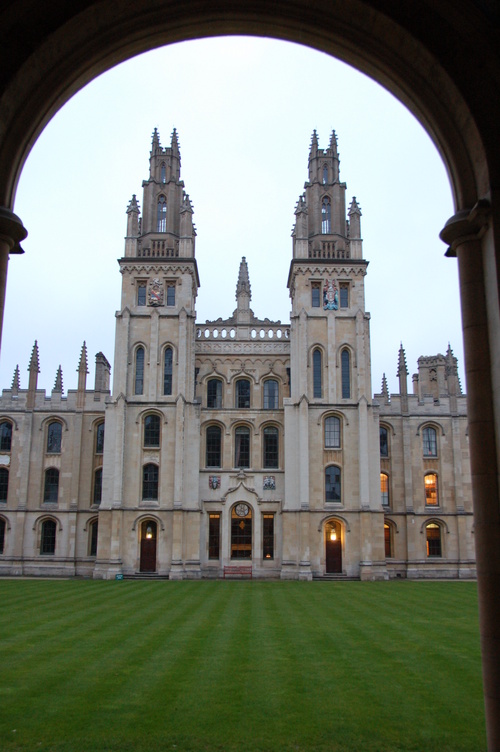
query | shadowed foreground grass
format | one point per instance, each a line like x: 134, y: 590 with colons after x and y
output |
x: 239, y: 666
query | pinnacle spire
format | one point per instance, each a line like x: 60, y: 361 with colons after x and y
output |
x: 243, y: 285
x: 354, y: 207
x: 156, y: 139
x: 16, y: 380
x: 174, y: 142
x: 314, y: 143
x: 385, y: 388
x: 333, y: 144
x: 133, y: 205
x: 34, y: 360
x: 402, y: 367
x: 58, y: 386
x: 83, y: 364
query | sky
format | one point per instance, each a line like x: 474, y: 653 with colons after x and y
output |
x: 244, y: 109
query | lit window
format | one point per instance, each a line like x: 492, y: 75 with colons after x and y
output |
x: 271, y: 394
x: 162, y: 214
x: 326, y: 216
x: 214, y: 536
x: 384, y: 488
x: 433, y: 539
x: 431, y: 489
x: 51, y: 485
x: 345, y: 362
x: 384, y: 442
x: 316, y: 295
x: 141, y: 294
x: 241, y: 532
x: 4, y: 483
x: 152, y: 431
x: 93, y: 538
x: 48, y: 538
x: 429, y: 442
x: 170, y: 295
x: 332, y: 432
x: 5, y: 436
x: 54, y: 436
x: 214, y: 394
x: 268, y: 536
x: 344, y: 295
x: 271, y: 447
x: 213, y: 447
x: 139, y: 371
x: 242, y: 447
x: 317, y: 375
x: 150, y: 482
x: 388, y: 541
x: 332, y: 483
x: 242, y: 393
x: 2, y: 535
x: 167, y: 371
x: 99, y: 439
x: 97, y: 491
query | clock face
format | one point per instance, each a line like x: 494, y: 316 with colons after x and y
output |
x: 241, y: 510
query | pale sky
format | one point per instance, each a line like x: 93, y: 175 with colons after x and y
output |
x: 244, y: 110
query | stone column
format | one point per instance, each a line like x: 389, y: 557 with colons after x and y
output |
x: 11, y: 234
x: 471, y: 239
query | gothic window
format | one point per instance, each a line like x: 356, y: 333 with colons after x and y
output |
x: 332, y: 432
x: 316, y: 295
x: 344, y: 295
x: 384, y: 442
x: 325, y: 174
x: 345, y: 362
x: 54, y: 436
x: 271, y: 392
x: 332, y: 483
x: 97, y: 490
x: 167, y: 371
x: 51, y: 485
x: 268, y: 536
x: 384, y: 489
x: 150, y: 482
x: 271, y: 447
x: 152, y: 431
x: 141, y: 294
x: 326, y: 216
x: 317, y: 375
x: 4, y: 483
x: 162, y: 214
x: 93, y: 530
x: 163, y: 172
x: 433, y: 539
x: 99, y: 438
x: 214, y: 535
x: 139, y: 371
x: 5, y: 436
x: 242, y: 447
x: 170, y: 295
x: 388, y: 540
x: 2, y: 535
x: 242, y: 393
x: 429, y: 437
x: 213, y: 446
x: 48, y: 538
x: 214, y: 394
x: 431, y: 489
x: 241, y: 532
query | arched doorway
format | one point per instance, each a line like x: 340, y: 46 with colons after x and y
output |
x: 333, y: 547
x: 148, y: 546
x: 241, y: 531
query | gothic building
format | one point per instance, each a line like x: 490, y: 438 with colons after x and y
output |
x: 241, y: 444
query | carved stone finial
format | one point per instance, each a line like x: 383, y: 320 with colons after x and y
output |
x: 58, y: 386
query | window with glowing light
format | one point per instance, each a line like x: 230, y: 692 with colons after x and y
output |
x: 268, y: 536
x: 431, y: 490
x: 433, y: 539
x: 384, y: 489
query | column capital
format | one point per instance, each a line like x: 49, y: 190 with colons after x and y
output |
x: 467, y: 224
x: 12, y: 230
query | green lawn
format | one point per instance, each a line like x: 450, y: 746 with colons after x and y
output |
x: 239, y: 666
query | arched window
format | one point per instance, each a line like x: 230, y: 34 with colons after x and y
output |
x: 384, y: 442
x: 325, y: 174
x: 139, y: 371
x: 241, y: 531
x: 99, y: 438
x: 429, y: 439
x: 4, y: 483
x: 243, y: 393
x: 388, y: 540
x: 214, y: 394
x: 51, y: 485
x: 332, y: 432
x: 2, y: 535
x: 163, y: 172
x: 431, y: 489
x: 242, y: 447
x: 384, y: 489
x: 332, y: 483
x: 93, y: 531
x: 162, y: 214
x: 152, y: 431
x: 271, y: 447
x: 326, y: 216
x: 54, y: 436
x: 48, y: 538
x: 5, y: 436
x: 213, y: 446
x: 150, y: 482
x: 345, y: 363
x: 317, y: 375
x: 167, y: 371
x: 433, y: 539
x: 97, y: 490
x: 271, y: 392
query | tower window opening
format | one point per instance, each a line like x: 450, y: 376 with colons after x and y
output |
x: 139, y: 371
x: 163, y: 172
x: 346, y: 374
x: 317, y: 375
x: 167, y: 372
x: 326, y: 216
x: 162, y: 214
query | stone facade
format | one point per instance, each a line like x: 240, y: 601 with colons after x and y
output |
x: 241, y: 441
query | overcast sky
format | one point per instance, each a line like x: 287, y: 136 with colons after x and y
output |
x: 244, y: 110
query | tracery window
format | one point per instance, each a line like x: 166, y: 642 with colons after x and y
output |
x: 5, y: 436
x: 139, y: 371
x: 4, y: 484
x: 326, y: 216
x: 431, y: 489
x: 317, y: 374
x: 332, y: 483
x: 54, y: 436
x: 162, y: 214
x: 332, y: 432
x: 271, y: 392
x: 48, y: 538
x: 152, y: 431
x: 325, y: 174
x: 345, y: 362
x: 271, y: 447
x: 167, y: 371
x: 429, y: 439
x: 150, y: 482
x: 243, y: 393
x: 433, y: 539
x: 214, y: 394
x: 51, y: 485
x: 163, y: 172
x: 213, y: 446
x: 242, y: 447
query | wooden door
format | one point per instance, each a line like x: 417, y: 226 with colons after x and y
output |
x: 148, y: 547
x: 334, y: 557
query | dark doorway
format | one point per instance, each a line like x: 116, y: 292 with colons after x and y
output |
x: 241, y: 531
x: 333, y: 548
x: 148, y: 546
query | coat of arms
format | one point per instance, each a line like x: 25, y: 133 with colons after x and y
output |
x: 155, y: 292
x: 269, y: 483
x: 214, y: 482
x: 330, y: 296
